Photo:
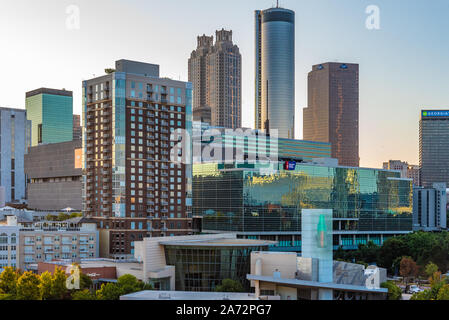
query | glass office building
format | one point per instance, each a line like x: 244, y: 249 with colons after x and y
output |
x: 204, y: 268
x: 264, y: 201
x: 51, y: 115
x: 275, y: 71
x: 434, y: 147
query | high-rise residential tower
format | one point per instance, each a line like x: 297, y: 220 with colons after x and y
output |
x: 434, y: 147
x: 215, y: 70
x: 51, y: 115
x: 132, y: 188
x: 15, y: 132
x: 275, y: 71
x: 332, y: 114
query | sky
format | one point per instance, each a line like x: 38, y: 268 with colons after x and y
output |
x: 403, y: 65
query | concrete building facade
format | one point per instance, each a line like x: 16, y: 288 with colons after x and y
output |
x: 215, y: 70
x: 55, y: 176
x: 275, y: 71
x: 332, y: 114
x: 9, y: 241
x: 133, y: 188
x: 430, y: 208
x: 15, y: 131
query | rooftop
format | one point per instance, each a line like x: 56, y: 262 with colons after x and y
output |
x: 182, y: 295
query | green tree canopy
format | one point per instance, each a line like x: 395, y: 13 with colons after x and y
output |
x: 430, y: 269
x: 109, y: 291
x: 8, y: 281
x: 83, y: 295
x: 229, y: 285
x: 28, y: 287
x: 394, y: 292
x: 45, y: 285
x: 58, y: 285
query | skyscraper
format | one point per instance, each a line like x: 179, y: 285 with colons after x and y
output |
x: 131, y: 187
x: 434, y: 147
x: 215, y: 70
x: 77, y: 129
x: 51, y: 115
x: 332, y: 114
x: 275, y: 71
x: 14, y: 142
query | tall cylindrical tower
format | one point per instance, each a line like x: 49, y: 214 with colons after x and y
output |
x: 275, y: 78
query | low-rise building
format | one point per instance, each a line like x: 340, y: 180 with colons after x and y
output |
x: 8, y: 246
x: 292, y: 277
x: 73, y: 239
x: 196, y: 263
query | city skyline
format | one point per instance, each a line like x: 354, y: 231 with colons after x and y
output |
x: 395, y: 64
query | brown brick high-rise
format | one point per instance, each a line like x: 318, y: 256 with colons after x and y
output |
x: 131, y: 187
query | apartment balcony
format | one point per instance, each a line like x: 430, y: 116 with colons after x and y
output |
x: 149, y: 89
x: 106, y: 136
x: 150, y: 203
x: 107, y: 120
x: 151, y: 114
x: 150, y: 180
x: 164, y: 189
x: 150, y: 210
x: 164, y: 100
x: 164, y: 116
x: 106, y: 165
x: 164, y: 203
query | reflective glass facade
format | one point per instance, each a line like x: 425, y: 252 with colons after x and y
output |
x: 204, y: 268
x: 275, y: 71
x: 261, y: 198
x: 434, y: 147
x: 51, y: 115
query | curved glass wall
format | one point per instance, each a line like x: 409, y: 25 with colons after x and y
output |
x: 204, y: 268
x: 258, y: 198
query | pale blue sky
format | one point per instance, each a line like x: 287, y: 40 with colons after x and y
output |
x: 403, y: 66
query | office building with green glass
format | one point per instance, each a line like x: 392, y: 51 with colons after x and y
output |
x: 51, y: 115
x: 264, y: 201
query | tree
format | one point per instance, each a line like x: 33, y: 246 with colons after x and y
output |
x: 423, y: 295
x: 8, y: 281
x: 129, y: 284
x: 58, y: 285
x: 394, y: 292
x: 443, y: 293
x: 45, y: 285
x: 408, y: 269
x: 391, y: 250
x: 28, y: 287
x: 229, y: 285
x: 83, y: 295
x: 109, y: 291
x: 85, y: 281
x: 430, y: 269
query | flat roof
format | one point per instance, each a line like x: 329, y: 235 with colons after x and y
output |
x: 218, y: 243
x: 100, y: 263
x: 56, y: 92
x: 315, y: 284
x: 183, y: 295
